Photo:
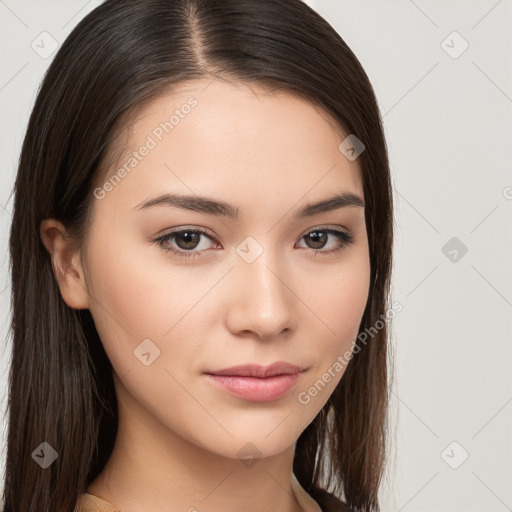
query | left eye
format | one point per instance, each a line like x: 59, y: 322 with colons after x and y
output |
x: 320, y: 236
x: 189, y: 239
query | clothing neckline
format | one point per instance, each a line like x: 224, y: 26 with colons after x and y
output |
x: 305, y: 500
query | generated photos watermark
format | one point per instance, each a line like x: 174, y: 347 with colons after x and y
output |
x: 157, y: 135
x: 304, y: 397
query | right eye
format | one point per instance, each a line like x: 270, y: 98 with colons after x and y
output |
x: 185, y: 239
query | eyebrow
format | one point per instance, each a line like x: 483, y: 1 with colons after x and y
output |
x: 210, y: 206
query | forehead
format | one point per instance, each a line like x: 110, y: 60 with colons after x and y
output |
x: 211, y: 136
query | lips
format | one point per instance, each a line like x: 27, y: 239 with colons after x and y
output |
x: 257, y: 383
x: 255, y: 370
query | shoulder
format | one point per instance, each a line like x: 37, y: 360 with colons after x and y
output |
x: 330, y: 503
x: 90, y: 503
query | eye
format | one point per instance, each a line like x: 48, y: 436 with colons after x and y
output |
x: 319, y: 237
x: 187, y: 240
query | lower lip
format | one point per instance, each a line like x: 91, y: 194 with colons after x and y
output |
x: 256, y: 389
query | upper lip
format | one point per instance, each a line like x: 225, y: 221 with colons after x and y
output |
x: 256, y: 370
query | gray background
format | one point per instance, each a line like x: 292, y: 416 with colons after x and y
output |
x: 448, y: 123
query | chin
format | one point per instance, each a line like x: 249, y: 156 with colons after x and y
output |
x: 252, y: 443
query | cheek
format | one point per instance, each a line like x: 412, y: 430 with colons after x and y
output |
x: 339, y: 301
x: 340, y: 298
x: 136, y: 297
x: 346, y: 307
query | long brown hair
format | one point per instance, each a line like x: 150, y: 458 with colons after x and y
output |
x: 121, y: 55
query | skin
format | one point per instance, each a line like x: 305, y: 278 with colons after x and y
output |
x: 267, y: 154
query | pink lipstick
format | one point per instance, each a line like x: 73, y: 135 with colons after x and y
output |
x: 257, y: 383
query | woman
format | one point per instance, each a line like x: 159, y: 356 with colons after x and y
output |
x: 201, y: 242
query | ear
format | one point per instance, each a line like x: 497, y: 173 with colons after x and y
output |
x: 66, y: 263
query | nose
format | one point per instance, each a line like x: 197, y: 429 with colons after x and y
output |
x: 262, y: 301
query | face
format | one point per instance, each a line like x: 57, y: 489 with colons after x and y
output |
x: 182, y: 288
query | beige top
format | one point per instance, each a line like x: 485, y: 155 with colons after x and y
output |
x: 91, y: 503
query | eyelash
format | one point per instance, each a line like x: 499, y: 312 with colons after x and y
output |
x: 344, y: 237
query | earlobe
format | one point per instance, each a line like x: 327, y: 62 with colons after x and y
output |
x: 66, y: 264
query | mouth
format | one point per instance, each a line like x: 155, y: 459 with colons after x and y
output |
x: 257, y: 383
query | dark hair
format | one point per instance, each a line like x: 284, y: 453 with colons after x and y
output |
x: 120, y: 56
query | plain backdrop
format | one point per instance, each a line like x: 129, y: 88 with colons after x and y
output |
x: 442, y: 74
